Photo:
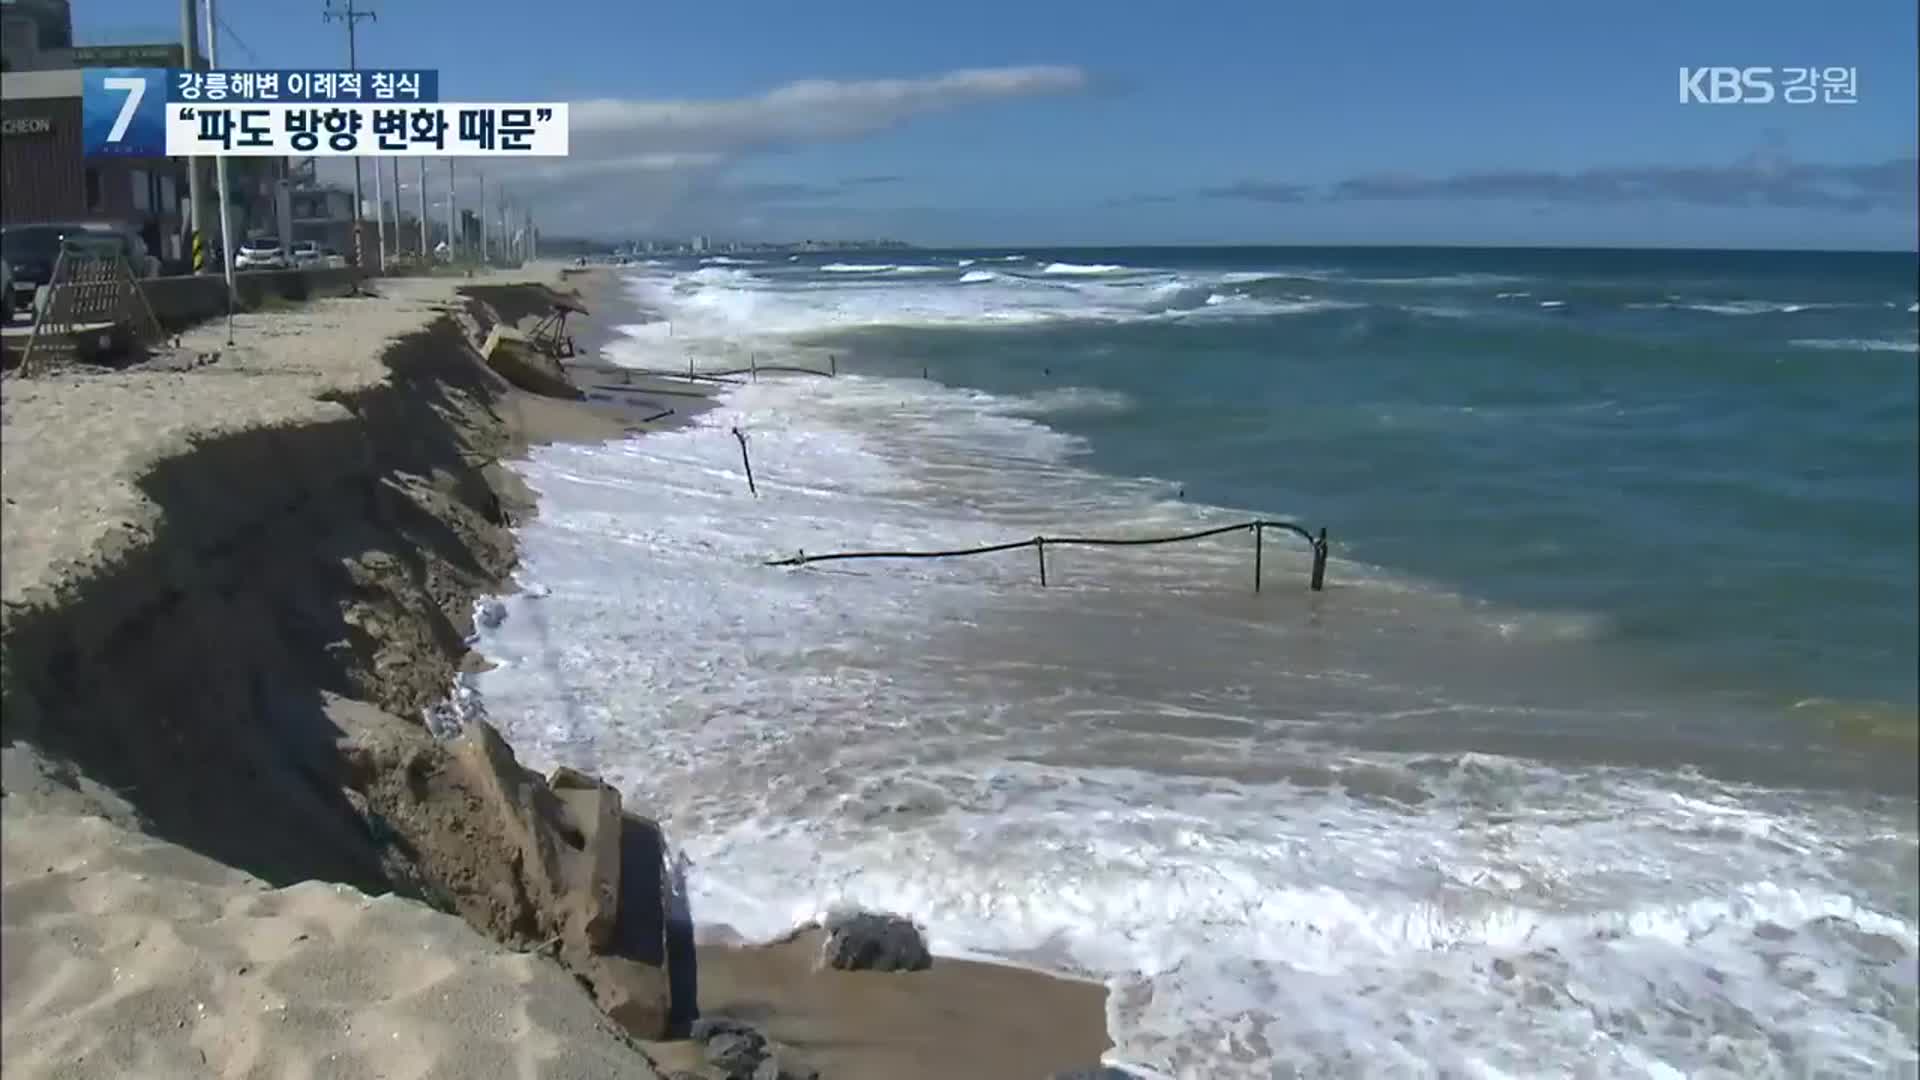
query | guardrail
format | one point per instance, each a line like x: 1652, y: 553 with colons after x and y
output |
x: 1316, y: 581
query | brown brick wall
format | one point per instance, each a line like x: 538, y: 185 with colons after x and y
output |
x: 41, y: 175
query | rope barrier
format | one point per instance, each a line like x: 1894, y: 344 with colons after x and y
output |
x: 1317, y: 581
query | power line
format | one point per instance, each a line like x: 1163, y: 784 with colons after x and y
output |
x: 240, y: 41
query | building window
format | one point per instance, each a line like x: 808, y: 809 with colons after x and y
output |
x: 142, y: 191
x: 93, y: 191
x: 168, y: 203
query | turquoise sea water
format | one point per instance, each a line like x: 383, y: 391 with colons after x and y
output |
x: 1597, y: 753
x: 1712, y: 455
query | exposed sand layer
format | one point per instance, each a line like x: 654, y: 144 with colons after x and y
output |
x: 128, y: 956
x: 73, y: 447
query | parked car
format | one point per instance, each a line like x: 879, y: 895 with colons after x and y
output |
x: 305, y: 253
x: 261, y: 253
x: 332, y: 260
x: 31, y: 250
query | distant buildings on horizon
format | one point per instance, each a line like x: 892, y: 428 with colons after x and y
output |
x: 705, y: 245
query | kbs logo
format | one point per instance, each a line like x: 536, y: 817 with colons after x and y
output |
x: 1758, y: 85
x: 1726, y: 86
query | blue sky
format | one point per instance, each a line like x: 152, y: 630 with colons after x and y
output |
x: 1252, y: 122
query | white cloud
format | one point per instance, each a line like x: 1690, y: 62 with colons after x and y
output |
x: 815, y: 110
x: 645, y: 164
x: 648, y: 165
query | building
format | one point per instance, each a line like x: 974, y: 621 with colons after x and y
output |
x: 324, y: 215
x: 44, y: 171
x: 35, y: 35
x: 46, y: 175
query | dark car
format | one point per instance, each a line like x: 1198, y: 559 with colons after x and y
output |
x: 30, y: 250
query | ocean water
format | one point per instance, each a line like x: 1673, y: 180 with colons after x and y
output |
x: 1596, y: 757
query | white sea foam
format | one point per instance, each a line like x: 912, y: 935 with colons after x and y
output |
x: 720, y: 303
x: 728, y: 260
x: 1082, y: 269
x: 857, y: 268
x: 1737, y: 307
x: 1073, y: 399
x: 716, y: 275
x: 965, y: 262
x: 1126, y: 775
x: 1857, y: 344
x: 1441, y: 281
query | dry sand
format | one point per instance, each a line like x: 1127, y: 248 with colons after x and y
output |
x: 74, y: 446
x: 126, y: 956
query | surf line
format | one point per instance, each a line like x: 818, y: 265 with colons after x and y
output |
x: 1316, y: 581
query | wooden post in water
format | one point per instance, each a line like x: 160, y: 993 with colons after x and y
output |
x: 833, y: 365
x: 1319, y: 581
x: 1040, y: 546
x: 689, y: 367
x: 753, y: 364
x: 746, y: 461
x: 1256, y: 556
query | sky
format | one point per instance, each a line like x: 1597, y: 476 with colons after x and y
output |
x: 1070, y: 122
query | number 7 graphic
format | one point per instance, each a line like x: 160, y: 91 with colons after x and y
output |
x: 135, y: 90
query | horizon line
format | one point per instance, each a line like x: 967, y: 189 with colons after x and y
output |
x: 559, y: 238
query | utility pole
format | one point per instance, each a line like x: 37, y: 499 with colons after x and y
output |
x: 351, y: 16
x: 505, y: 236
x: 425, y: 248
x: 398, y: 241
x: 379, y: 213
x: 220, y: 169
x: 453, y: 217
x: 196, y: 199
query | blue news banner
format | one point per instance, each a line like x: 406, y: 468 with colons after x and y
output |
x: 158, y: 112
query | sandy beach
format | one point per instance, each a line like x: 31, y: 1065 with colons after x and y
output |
x: 235, y: 584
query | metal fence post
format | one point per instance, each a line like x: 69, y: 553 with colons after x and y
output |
x: 1257, y: 532
x: 746, y: 461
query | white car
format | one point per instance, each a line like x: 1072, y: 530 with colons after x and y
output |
x: 306, y: 254
x: 260, y: 253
